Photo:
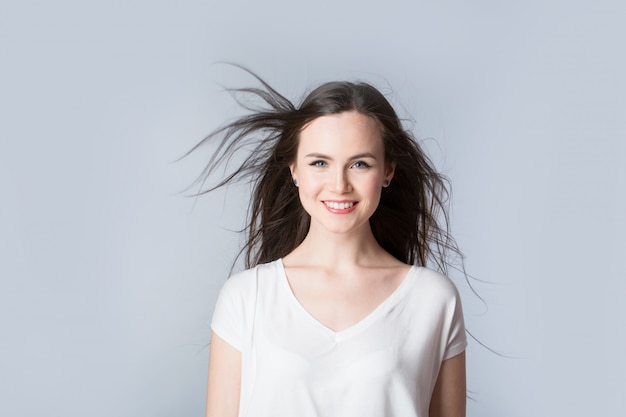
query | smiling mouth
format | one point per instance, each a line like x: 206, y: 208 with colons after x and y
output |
x: 339, y: 206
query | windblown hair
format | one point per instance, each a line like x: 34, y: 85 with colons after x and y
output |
x: 411, y: 221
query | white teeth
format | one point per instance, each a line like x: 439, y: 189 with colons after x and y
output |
x: 338, y: 206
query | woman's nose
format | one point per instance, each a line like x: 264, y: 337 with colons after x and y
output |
x: 340, y: 183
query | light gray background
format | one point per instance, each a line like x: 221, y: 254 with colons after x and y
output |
x: 108, y: 276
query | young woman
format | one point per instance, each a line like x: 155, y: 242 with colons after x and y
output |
x: 338, y: 314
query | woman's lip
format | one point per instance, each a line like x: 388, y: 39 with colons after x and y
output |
x: 340, y: 206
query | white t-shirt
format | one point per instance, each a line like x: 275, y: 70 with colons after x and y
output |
x: 294, y: 366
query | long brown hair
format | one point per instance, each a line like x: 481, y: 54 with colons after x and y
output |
x: 411, y: 221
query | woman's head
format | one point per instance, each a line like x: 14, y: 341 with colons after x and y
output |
x: 406, y: 221
x: 340, y: 170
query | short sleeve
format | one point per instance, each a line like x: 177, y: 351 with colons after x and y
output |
x: 457, y: 340
x: 231, y: 318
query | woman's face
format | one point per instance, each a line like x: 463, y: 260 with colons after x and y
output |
x: 340, y: 170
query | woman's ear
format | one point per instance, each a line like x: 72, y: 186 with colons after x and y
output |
x: 390, y: 169
x: 292, y: 170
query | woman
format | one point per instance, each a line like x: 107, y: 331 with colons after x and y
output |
x: 337, y: 315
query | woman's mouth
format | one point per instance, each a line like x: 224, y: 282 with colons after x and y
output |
x: 338, y: 206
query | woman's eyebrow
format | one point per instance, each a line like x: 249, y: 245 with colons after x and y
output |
x: 364, y: 155
x: 357, y: 156
x: 317, y: 155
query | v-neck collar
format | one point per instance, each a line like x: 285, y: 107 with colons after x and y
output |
x: 363, y: 323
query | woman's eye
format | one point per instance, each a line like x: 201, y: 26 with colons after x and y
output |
x: 319, y: 164
x: 360, y: 164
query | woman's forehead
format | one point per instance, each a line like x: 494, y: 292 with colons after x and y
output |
x: 342, y: 131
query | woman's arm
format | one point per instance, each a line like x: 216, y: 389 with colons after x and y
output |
x: 449, y: 395
x: 224, y: 385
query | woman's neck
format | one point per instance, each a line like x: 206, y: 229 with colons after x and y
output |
x: 323, y: 248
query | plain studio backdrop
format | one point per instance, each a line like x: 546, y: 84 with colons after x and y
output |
x: 109, y: 275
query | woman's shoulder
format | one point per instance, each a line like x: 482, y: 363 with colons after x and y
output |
x: 434, y: 282
x: 247, y: 279
x: 236, y: 304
